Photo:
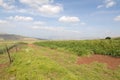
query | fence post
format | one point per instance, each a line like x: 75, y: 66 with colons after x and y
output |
x: 10, y: 60
x: 16, y: 48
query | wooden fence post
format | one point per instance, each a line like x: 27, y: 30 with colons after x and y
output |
x: 10, y: 60
x: 16, y: 48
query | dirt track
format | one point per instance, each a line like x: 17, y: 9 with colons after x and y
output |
x: 111, y: 62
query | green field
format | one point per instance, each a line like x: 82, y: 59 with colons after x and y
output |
x: 86, y: 47
x: 33, y: 62
x: 3, y: 46
x: 7, y: 44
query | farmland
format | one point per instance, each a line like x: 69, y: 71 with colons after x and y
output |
x: 56, y: 60
x: 59, y: 39
x: 86, y: 47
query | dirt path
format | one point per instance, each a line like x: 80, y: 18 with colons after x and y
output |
x: 111, y: 62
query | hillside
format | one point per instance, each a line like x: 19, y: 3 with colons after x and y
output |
x: 117, y: 38
x: 14, y: 37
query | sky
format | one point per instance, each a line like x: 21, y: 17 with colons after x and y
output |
x: 61, y: 19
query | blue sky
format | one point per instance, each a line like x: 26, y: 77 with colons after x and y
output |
x: 61, y: 19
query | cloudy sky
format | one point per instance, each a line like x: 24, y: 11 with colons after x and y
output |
x: 61, y: 19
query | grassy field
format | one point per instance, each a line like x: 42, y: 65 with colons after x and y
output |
x: 85, y: 47
x: 39, y: 63
x: 9, y: 45
x: 3, y: 46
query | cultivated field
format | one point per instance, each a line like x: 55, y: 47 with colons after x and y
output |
x: 63, y: 60
x: 86, y: 47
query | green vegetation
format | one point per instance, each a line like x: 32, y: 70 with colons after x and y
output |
x: 117, y: 38
x: 86, y: 47
x: 9, y: 45
x: 108, y: 38
x: 3, y: 47
x: 39, y: 63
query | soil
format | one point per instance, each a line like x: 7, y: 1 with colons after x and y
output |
x: 4, y: 65
x: 31, y: 45
x: 112, y: 62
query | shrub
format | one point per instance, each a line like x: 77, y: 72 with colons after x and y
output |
x: 108, y: 38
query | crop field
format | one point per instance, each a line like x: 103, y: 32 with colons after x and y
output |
x: 55, y: 60
x: 86, y: 47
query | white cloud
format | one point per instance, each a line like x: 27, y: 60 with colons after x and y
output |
x: 6, y: 5
x: 34, y: 3
x: 99, y: 6
x: 69, y: 19
x: 117, y: 18
x: 50, y: 9
x: 20, y: 18
x: 3, y: 21
x: 43, y: 7
x: 107, y: 4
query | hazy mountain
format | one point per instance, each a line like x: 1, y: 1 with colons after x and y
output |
x: 15, y: 37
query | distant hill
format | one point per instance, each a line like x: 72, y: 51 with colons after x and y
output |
x: 117, y: 38
x: 15, y: 37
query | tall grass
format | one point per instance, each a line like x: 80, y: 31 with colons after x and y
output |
x: 3, y: 46
x: 44, y: 64
x: 86, y: 47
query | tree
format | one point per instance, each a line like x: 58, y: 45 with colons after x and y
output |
x: 108, y: 38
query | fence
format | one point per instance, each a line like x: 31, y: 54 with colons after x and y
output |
x: 7, y: 49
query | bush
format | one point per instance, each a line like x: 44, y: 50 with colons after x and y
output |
x: 108, y: 38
